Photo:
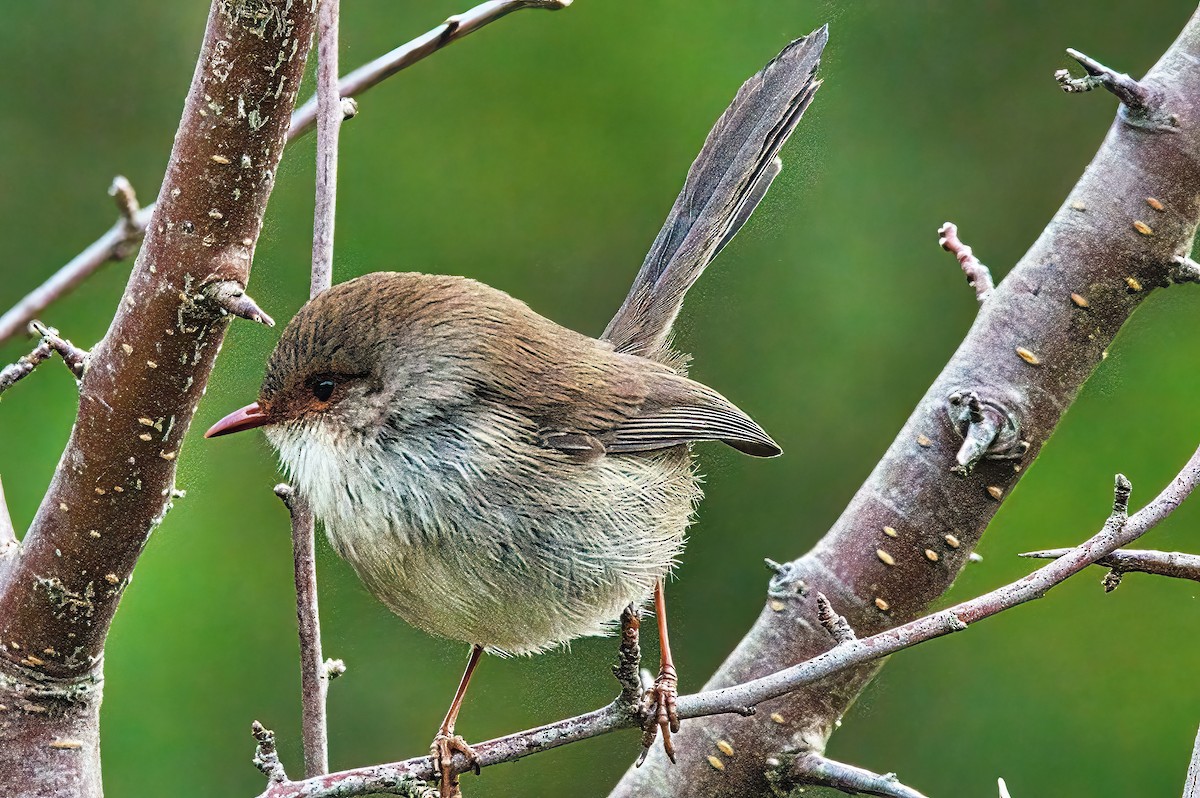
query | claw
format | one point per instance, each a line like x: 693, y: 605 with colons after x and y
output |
x: 443, y: 749
x: 660, y: 713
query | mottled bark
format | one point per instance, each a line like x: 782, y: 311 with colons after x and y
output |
x: 115, y: 480
x: 910, y: 528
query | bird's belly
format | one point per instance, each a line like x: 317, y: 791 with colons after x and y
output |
x: 534, y: 571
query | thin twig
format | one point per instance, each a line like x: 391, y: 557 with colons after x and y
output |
x: 1192, y: 788
x: 1160, y: 563
x: 812, y: 768
x: 74, y: 357
x: 120, y: 238
x: 629, y: 657
x: 314, y: 681
x: 1143, y: 104
x: 837, y: 625
x: 979, y: 276
x: 450, y: 31
x: 1119, y: 530
x: 231, y: 297
x: 314, y: 673
x: 266, y: 758
x: 115, y: 244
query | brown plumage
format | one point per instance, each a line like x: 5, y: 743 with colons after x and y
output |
x: 497, y: 478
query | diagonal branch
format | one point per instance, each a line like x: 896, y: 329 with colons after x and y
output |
x: 452, y: 30
x: 1119, y: 530
x: 139, y: 392
x: 1032, y: 346
x: 122, y: 236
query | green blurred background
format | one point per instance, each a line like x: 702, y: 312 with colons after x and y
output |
x: 541, y: 155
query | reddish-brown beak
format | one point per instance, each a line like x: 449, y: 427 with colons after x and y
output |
x: 248, y: 417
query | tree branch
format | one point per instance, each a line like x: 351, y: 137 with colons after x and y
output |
x: 850, y: 652
x: 139, y: 393
x: 120, y: 238
x: 1192, y: 788
x: 979, y: 276
x: 1160, y: 563
x: 73, y: 357
x: 314, y: 678
x: 813, y: 769
x: 1029, y: 351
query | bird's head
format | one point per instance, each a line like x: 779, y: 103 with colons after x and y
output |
x: 386, y: 351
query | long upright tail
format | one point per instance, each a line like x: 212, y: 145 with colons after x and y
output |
x: 726, y: 182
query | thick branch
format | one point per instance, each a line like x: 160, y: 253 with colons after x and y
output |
x: 1030, y: 349
x: 140, y: 391
x: 1119, y: 530
x: 121, y: 237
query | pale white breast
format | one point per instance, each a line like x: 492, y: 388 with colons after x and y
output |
x: 468, y: 534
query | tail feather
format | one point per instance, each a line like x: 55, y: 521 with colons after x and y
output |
x: 725, y: 184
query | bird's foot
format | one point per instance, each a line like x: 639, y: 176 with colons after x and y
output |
x: 443, y: 749
x: 659, y: 713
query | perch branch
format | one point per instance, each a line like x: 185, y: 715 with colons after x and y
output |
x: 120, y: 238
x: 979, y: 276
x: 1119, y: 530
x: 810, y: 768
x: 1160, y: 563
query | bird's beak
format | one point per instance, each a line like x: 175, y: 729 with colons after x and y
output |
x: 248, y: 417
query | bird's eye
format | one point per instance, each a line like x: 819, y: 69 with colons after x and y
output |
x: 323, y: 389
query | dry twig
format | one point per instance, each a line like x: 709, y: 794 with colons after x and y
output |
x: 122, y: 236
x: 1160, y: 563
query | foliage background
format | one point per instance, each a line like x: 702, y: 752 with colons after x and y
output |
x: 540, y: 156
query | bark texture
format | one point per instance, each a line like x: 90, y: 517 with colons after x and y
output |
x: 138, y: 393
x: 910, y: 528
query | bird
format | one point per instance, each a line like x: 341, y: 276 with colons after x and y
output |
x: 495, y: 478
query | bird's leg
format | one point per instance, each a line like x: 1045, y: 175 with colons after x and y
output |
x: 446, y: 744
x: 659, y: 706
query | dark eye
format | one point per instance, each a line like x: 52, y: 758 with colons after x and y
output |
x: 323, y: 389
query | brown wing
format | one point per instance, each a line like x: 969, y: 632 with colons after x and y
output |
x: 679, y: 410
x: 643, y: 407
x: 586, y: 400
